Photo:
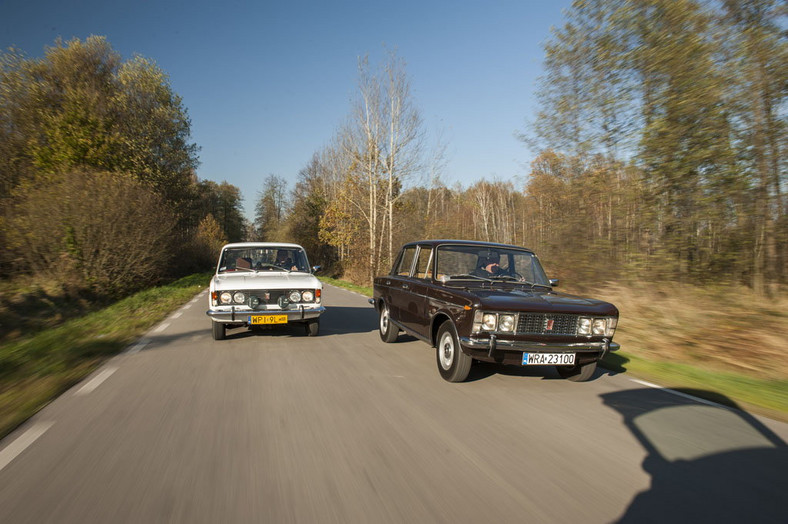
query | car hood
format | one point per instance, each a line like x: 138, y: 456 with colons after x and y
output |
x: 541, y: 300
x: 265, y: 280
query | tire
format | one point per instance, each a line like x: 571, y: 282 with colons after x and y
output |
x: 577, y: 373
x: 219, y: 330
x: 388, y: 331
x: 313, y: 328
x: 453, y: 364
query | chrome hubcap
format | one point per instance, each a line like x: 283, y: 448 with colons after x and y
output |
x: 446, y: 350
x: 384, y: 320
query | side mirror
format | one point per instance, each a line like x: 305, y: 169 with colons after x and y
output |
x: 554, y: 282
x: 315, y: 269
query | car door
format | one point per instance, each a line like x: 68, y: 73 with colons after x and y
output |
x: 398, y: 283
x: 414, y: 309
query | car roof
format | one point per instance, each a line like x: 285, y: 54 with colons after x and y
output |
x: 262, y: 244
x: 478, y: 243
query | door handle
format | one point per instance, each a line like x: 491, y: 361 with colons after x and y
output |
x: 405, y: 286
x: 388, y: 282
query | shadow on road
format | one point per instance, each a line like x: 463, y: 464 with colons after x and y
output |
x: 707, y: 463
x: 337, y: 320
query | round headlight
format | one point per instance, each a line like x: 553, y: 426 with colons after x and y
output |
x: 308, y: 296
x: 254, y: 301
x: 489, y: 321
x: 295, y: 296
x: 239, y: 298
x: 506, y: 323
x: 226, y: 297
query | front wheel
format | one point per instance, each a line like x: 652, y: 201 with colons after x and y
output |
x: 219, y: 330
x: 578, y: 372
x: 453, y: 364
x: 388, y: 331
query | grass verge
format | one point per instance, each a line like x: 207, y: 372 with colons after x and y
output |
x: 366, y: 291
x: 767, y: 397
x: 36, y: 369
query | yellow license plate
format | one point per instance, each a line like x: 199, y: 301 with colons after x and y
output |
x: 268, y: 319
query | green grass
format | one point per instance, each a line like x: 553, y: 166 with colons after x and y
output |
x: 366, y: 291
x: 768, y: 397
x: 36, y: 369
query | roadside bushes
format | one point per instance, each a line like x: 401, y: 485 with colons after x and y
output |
x: 102, y: 231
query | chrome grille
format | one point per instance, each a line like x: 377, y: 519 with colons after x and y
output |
x: 273, y: 296
x: 538, y: 323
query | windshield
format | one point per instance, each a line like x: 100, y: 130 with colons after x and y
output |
x: 269, y: 258
x: 488, y: 262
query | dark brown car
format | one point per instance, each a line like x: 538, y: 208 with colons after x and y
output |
x: 493, y: 303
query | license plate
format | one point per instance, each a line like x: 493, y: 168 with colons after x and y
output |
x: 548, y: 359
x: 268, y: 319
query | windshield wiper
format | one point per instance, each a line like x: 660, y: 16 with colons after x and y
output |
x: 533, y: 285
x: 467, y: 275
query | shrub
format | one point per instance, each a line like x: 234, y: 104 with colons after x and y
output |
x: 101, y: 230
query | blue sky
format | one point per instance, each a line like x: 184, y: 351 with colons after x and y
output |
x: 267, y: 84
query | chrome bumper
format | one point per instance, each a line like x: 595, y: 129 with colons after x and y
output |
x: 241, y: 316
x: 493, y: 343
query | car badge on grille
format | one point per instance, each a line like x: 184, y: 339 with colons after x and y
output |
x: 267, y: 295
x: 549, y: 326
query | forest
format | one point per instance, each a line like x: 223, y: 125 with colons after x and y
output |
x: 658, y: 157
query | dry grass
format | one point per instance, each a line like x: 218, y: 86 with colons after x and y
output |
x: 727, y: 329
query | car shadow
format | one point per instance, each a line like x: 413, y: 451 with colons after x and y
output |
x: 337, y: 320
x: 483, y: 370
x: 699, y: 472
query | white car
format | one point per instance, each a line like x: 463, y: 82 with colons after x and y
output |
x: 264, y: 283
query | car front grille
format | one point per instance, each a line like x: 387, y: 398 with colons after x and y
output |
x: 265, y: 297
x: 547, y: 324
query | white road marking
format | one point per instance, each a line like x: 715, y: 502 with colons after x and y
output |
x: 176, y: 315
x: 187, y: 306
x: 96, y: 381
x: 138, y: 346
x: 161, y: 327
x: 679, y: 393
x: 14, y: 449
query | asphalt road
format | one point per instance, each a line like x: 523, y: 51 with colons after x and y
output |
x: 279, y: 427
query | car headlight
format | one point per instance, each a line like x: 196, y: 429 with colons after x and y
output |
x: 612, y: 323
x: 239, y: 298
x: 226, y: 297
x: 584, y: 326
x: 295, y: 296
x: 308, y: 296
x: 489, y: 321
x: 506, y: 323
x: 605, y: 326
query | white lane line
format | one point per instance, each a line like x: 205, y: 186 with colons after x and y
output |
x: 14, y: 449
x: 96, y: 381
x: 138, y: 346
x: 161, y: 327
x: 176, y: 315
x: 187, y: 306
x: 678, y: 393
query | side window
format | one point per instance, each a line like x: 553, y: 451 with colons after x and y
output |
x: 423, y: 269
x: 405, y: 261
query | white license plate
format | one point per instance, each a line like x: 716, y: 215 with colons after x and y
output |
x: 548, y: 359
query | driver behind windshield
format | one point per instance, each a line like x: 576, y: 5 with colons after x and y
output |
x: 283, y: 260
x: 488, y: 266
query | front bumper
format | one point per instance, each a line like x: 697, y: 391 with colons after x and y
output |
x: 241, y: 316
x: 510, y: 351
